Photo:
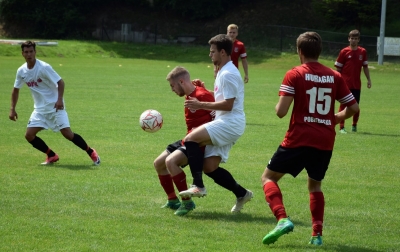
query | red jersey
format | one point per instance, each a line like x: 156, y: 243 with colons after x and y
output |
x: 315, y: 88
x: 238, y: 50
x: 195, y: 118
x: 350, y: 62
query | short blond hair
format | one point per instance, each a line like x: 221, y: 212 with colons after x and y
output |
x: 232, y: 26
x: 178, y: 72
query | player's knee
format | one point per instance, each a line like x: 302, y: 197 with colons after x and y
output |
x: 29, y: 137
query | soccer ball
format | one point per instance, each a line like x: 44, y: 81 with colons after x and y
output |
x: 151, y: 120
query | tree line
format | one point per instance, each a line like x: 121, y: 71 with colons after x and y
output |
x: 73, y: 18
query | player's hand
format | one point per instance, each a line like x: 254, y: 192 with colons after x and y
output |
x: 369, y: 84
x: 192, y: 103
x: 13, y: 115
x: 246, y: 79
x: 59, y: 105
x: 198, y: 83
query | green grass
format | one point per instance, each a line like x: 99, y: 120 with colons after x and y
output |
x: 73, y: 206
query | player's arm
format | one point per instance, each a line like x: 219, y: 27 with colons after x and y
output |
x: 346, y: 113
x: 14, y: 100
x: 60, y: 103
x: 366, y: 72
x: 283, y: 105
x: 225, y: 105
x: 245, y: 68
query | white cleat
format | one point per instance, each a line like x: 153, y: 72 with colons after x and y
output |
x: 241, y: 201
x: 194, y: 191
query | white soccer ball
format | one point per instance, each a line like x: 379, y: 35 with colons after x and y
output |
x: 151, y: 120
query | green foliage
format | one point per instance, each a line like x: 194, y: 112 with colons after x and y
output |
x: 198, y: 10
x: 357, y: 14
x: 51, y: 18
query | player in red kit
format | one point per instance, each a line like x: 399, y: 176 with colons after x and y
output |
x: 308, y: 143
x: 168, y: 164
x: 349, y: 63
x: 238, y: 51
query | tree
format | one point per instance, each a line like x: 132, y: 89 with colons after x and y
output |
x: 349, y: 13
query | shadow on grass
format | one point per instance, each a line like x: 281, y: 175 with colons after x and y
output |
x: 377, y: 134
x: 331, y: 247
x: 73, y: 167
x: 224, y: 216
x: 173, y: 52
x: 238, y: 217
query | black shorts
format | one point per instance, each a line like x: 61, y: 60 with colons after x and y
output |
x: 357, y: 94
x: 177, y: 146
x: 294, y: 160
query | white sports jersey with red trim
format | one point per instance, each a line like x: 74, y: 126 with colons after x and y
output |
x: 42, y: 81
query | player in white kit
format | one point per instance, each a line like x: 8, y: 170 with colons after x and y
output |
x: 47, y: 89
x: 219, y: 135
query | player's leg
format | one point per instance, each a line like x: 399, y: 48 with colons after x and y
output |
x: 357, y: 94
x: 38, y: 122
x: 194, y: 141
x: 174, y: 162
x: 342, y: 129
x: 317, y: 206
x: 40, y: 145
x: 316, y: 166
x: 283, y: 161
x: 224, y: 178
x: 165, y: 179
x: 61, y: 123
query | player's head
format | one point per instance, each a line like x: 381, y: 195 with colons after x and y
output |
x: 28, y: 44
x: 309, y: 44
x: 222, y: 42
x: 354, y: 33
x: 29, y: 50
x: 354, y: 38
x: 220, y: 49
x: 178, y: 79
x: 232, y: 31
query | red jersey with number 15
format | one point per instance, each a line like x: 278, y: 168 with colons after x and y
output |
x: 315, y: 88
x: 195, y: 118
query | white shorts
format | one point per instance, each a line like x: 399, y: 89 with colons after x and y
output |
x: 219, y: 151
x: 223, y: 135
x: 54, y: 120
x: 223, y: 132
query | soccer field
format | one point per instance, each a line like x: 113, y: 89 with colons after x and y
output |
x: 74, y: 206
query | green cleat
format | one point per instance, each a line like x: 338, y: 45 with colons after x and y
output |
x: 185, y: 208
x: 172, y: 204
x: 284, y: 226
x: 343, y: 131
x: 316, y: 240
x: 353, y: 128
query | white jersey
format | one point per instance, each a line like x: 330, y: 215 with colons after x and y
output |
x: 42, y: 81
x: 229, y: 84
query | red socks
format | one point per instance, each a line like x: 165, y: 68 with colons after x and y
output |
x: 317, y: 206
x: 273, y: 196
x: 168, y: 185
x: 180, y: 183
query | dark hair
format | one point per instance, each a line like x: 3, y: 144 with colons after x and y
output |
x: 310, y: 44
x: 223, y: 42
x: 28, y: 44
